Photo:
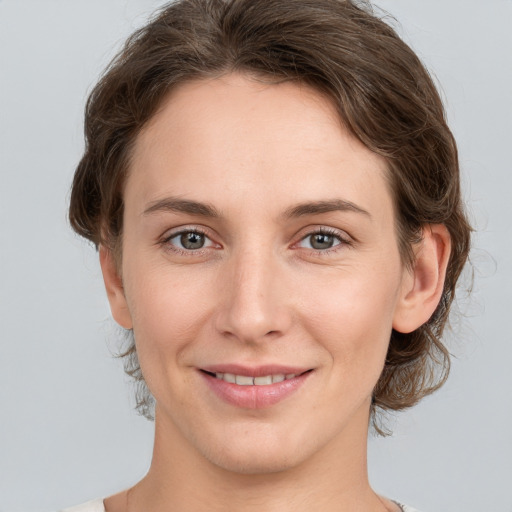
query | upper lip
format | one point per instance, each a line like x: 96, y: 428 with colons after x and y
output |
x: 254, y: 371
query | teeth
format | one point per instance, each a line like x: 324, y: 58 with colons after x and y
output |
x: 244, y: 380
x: 229, y: 377
x: 263, y: 381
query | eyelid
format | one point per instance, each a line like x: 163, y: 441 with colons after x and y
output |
x: 173, y: 233
x: 345, y: 240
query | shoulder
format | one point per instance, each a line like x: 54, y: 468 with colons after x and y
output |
x: 90, y: 506
x: 405, y: 508
x: 97, y: 506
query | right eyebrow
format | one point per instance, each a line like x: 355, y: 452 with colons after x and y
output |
x: 175, y: 204
x: 326, y: 206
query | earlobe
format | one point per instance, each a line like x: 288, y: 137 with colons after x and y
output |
x: 114, y: 288
x: 423, y: 286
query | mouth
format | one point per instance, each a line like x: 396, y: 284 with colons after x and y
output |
x: 255, y: 388
x: 248, y: 380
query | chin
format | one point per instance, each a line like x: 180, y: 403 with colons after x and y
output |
x: 252, y: 464
x: 248, y: 454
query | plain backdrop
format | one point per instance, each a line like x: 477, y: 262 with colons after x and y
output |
x: 67, y: 429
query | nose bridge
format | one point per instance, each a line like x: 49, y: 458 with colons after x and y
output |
x: 253, y: 305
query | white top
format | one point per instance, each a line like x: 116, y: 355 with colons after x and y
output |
x: 97, y: 506
x: 90, y: 506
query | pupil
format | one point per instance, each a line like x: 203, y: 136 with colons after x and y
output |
x: 321, y: 241
x: 192, y: 240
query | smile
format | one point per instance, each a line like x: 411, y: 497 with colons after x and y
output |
x: 245, y: 380
x: 259, y: 391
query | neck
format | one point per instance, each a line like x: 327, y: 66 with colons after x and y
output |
x: 334, y: 479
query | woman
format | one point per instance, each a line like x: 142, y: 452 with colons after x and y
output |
x: 275, y: 197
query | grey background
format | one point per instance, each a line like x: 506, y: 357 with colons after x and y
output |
x: 67, y: 429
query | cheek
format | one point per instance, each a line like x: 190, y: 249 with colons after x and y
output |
x: 353, y: 321
x: 168, y: 309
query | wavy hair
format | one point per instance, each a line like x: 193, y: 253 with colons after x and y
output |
x: 384, y: 97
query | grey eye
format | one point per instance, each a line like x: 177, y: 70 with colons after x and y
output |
x: 189, y: 240
x: 321, y: 241
x: 192, y: 240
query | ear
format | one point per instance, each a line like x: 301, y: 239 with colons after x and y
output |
x: 422, y: 286
x: 114, y: 287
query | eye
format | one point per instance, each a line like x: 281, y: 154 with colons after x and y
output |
x: 190, y: 240
x: 322, y: 240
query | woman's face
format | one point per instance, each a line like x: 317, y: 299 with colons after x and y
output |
x: 259, y: 241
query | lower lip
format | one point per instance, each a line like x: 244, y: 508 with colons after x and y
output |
x: 254, y: 397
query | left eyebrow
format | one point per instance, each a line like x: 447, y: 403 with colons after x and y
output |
x: 319, y: 207
x: 175, y: 204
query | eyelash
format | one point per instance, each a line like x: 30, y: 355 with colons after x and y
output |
x: 344, y: 241
x: 184, y: 252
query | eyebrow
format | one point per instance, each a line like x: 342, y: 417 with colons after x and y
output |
x: 175, y: 204
x: 319, y: 207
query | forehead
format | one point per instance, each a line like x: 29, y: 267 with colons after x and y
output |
x: 235, y: 139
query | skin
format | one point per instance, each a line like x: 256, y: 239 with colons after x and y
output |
x: 260, y: 292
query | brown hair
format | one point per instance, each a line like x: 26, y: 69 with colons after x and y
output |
x: 384, y: 97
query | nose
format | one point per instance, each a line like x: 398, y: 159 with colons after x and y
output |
x: 253, y: 304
